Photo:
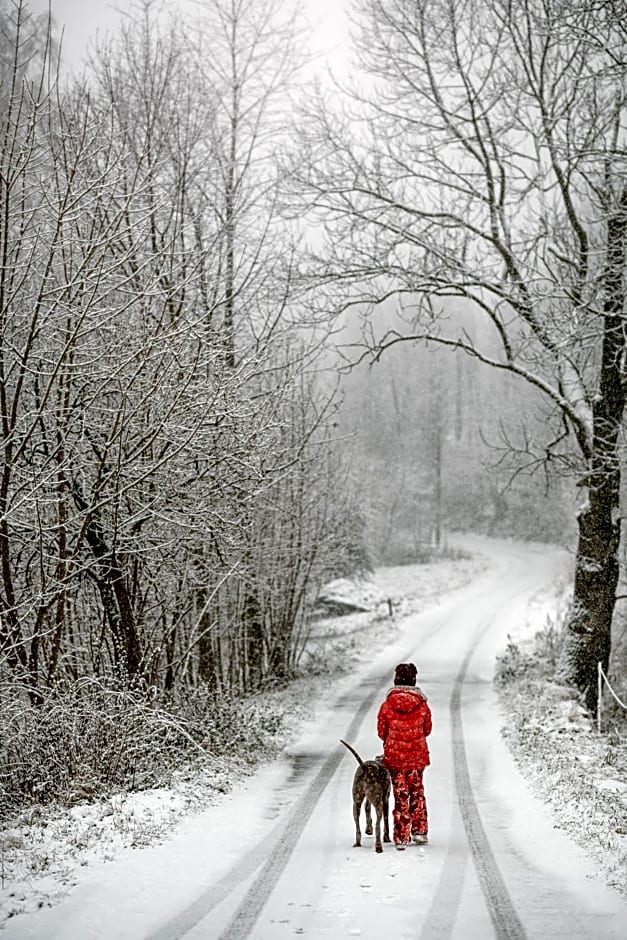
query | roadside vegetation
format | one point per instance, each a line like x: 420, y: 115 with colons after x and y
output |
x: 579, y: 773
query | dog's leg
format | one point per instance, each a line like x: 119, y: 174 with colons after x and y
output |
x: 377, y: 839
x: 356, y: 812
x: 386, y: 815
x: 368, y: 819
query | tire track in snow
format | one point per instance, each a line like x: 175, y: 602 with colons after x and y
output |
x: 505, y: 920
x: 249, y: 910
x: 440, y: 920
x: 446, y: 900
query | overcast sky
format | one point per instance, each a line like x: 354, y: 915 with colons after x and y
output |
x: 83, y: 20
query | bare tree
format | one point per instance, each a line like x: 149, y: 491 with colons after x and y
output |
x: 485, y: 161
x: 248, y: 55
x: 159, y: 515
x: 99, y: 383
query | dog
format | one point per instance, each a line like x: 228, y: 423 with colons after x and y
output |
x: 371, y: 783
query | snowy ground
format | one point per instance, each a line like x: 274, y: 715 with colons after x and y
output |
x: 42, y: 858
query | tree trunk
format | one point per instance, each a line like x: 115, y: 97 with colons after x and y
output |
x: 229, y: 220
x: 253, y: 640
x: 208, y: 666
x: 11, y: 639
x: 280, y: 655
x: 588, y: 635
x: 116, y: 601
x: 437, y: 469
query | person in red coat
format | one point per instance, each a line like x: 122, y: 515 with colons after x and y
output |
x: 403, y: 724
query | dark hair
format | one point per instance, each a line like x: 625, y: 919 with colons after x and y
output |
x: 405, y: 674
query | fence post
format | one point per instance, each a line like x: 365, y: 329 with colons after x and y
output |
x: 601, y: 678
x: 599, y: 689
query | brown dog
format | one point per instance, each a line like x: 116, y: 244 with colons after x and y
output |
x: 372, y: 784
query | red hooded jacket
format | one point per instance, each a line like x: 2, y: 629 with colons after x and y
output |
x: 403, y: 724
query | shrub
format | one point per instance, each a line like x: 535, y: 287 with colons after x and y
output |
x: 92, y: 736
x: 512, y: 664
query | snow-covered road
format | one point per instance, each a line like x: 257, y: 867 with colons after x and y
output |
x: 275, y: 859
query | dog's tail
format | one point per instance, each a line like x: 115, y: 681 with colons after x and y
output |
x: 353, y: 751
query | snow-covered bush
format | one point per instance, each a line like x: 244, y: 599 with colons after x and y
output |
x: 91, y: 736
x: 540, y: 660
x: 226, y: 724
x: 512, y: 664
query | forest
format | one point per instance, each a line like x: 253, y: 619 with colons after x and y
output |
x: 254, y: 338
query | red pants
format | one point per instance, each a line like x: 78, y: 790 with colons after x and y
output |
x: 410, y: 807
